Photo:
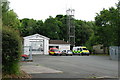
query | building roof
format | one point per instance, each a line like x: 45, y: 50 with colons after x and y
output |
x: 57, y: 42
x: 36, y: 35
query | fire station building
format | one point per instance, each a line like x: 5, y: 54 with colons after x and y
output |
x: 39, y: 44
x: 36, y: 43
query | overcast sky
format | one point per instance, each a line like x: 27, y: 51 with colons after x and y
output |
x: 42, y: 9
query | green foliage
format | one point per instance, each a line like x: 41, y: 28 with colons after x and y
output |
x: 11, y: 51
x: 107, y: 22
x: 11, y: 41
x: 118, y: 22
x: 83, y: 31
x: 28, y: 27
x: 91, y: 41
x: 9, y: 17
x: 62, y: 24
x: 51, y: 28
x: 56, y: 28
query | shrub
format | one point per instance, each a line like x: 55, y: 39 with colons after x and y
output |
x: 11, y: 51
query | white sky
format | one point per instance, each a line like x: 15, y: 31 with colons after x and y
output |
x: 42, y: 9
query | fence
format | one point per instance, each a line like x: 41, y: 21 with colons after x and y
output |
x: 114, y: 52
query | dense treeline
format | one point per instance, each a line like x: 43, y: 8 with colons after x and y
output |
x: 56, y: 28
x: 104, y: 30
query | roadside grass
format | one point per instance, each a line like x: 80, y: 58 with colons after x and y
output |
x: 22, y: 74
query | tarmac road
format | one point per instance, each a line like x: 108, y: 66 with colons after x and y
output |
x: 74, y: 67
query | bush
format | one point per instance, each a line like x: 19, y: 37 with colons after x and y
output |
x: 11, y: 51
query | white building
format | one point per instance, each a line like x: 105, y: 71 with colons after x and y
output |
x: 36, y: 43
x: 60, y: 44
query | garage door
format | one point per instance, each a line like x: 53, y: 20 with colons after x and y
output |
x: 37, y: 47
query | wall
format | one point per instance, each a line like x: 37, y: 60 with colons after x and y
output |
x: 61, y: 46
x: 64, y: 47
x: 98, y: 49
x: 36, y: 41
x: 46, y: 46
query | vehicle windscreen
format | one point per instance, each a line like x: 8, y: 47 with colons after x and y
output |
x: 84, y: 48
x: 69, y: 51
x: 55, y: 50
x: 64, y: 51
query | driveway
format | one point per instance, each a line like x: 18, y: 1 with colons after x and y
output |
x: 71, y: 67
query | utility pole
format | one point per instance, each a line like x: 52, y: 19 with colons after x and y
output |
x: 70, y: 26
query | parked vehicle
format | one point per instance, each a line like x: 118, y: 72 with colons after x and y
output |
x: 67, y: 52
x: 54, y: 51
x: 80, y: 50
x: 24, y: 57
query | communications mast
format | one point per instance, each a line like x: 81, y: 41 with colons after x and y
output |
x: 70, y: 26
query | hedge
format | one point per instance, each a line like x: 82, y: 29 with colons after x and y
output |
x: 11, y: 51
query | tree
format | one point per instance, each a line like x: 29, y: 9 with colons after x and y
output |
x: 9, y: 17
x: 118, y: 22
x: 51, y: 28
x: 39, y: 27
x: 107, y: 30
x: 62, y: 23
x: 28, y: 27
x: 11, y: 51
x: 107, y: 27
x: 11, y: 42
x: 83, y: 31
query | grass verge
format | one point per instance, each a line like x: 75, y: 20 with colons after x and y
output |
x: 19, y: 76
